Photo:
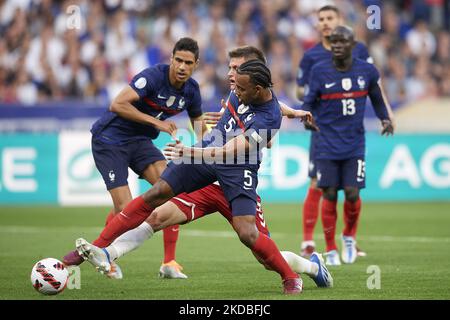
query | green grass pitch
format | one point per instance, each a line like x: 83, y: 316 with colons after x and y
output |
x: 408, y: 242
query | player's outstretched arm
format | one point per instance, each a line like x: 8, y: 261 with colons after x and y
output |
x: 304, y: 116
x: 122, y: 105
x: 231, y: 150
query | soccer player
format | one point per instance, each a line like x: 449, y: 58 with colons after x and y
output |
x: 212, y: 199
x: 338, y: 90
x: 252, y: 118
x: 329, y: 18
x: 122, y: 137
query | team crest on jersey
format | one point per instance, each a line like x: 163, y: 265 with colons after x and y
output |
x: 181, y: 103
x: 242, y: 109
x: 361, y: 82
x: 346, y: 84
x: 170, y: 101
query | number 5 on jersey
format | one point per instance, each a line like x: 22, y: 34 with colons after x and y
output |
x: 248, y: 180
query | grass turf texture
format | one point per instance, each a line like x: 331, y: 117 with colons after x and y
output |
x: 408, y: 242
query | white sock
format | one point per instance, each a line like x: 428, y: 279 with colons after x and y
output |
x: 130, y: 240
x: 299, y: 264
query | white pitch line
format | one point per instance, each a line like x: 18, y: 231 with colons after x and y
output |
x: 216, y: 234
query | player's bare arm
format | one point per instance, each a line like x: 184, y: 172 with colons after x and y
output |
x: 231, y: 150
x: 304, y: 116
x: 122, y: 105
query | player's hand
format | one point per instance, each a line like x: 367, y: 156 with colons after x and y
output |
x: 388, y: 128
x: 308, y: 120
x: 167, y: 126
x: 212, y: 118
x: 174, y: 150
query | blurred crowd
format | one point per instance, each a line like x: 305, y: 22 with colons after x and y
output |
x: 89, y: 50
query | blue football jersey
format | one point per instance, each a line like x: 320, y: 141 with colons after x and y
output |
x: 157, y: 98
x: 339, y: 99
x: 258, y: 122
x: 318, y: 53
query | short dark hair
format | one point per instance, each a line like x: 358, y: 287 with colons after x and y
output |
x: 187, y: 44
x: 247, y: 52
x: 330, y: 7
x: 257, y: 71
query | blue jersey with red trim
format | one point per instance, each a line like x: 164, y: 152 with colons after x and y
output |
x: 339, y: 100
x: 318, y: 53
x: 258, y: 122
x: 157, y: 98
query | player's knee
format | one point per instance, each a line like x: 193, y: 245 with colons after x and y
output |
x: 330, y: 194
x: 158, y: 194
x: 351, y: 194
x: 247, y: 233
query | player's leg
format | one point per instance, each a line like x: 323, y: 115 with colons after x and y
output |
x: 170, y: 234
x: 328, y: 173
x: 311, y: 205
x: 167, y: 214
x: 353, y: 181
x: 112, y: 163
x: 262, y: 246
x: 174, y: 180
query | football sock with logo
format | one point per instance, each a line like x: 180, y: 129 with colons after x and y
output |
x: 329, y: 217
x: 351, y: 217
x: 267, y: 250
x: 130, y: 240
x: 310, y: 212
x: 131, y: 216
x: 170, y: 235
x: 300, y: 264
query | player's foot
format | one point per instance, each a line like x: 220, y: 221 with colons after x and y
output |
x: 360, y: 252
x: 72, y: 259
x: 348, y: 253
x: 115, y: 272
x: 332, y: 258
x: 323, y: 278
x: 307, y: 248
x: 98, y: 257
x: 293, y: 286
x: 171, y: 270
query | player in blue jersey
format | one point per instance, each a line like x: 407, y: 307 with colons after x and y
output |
x: 329, y: 17
x: 252, y: 118
x: 338, y: 90
x: 122, y: 137
x: 211, y: 198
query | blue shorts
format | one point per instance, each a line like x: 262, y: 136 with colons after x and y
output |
x: 113, y: 161
x: 312, y: 166
x: 238, y: 182
x: 341, y: 173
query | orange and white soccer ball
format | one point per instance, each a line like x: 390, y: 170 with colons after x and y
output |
x: 49, y: 276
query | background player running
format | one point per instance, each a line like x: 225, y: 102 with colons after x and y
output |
x: 338, y: 92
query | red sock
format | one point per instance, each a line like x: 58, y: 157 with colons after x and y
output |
x: 329, y: 217
x: 310, y: 212
x: 351, y: 217
x: 267, y: 250
x: 109, y: 217
x: 170, y: 235
x: 131, y: 216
